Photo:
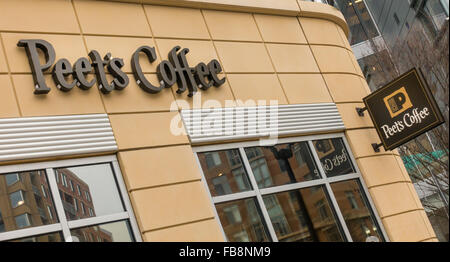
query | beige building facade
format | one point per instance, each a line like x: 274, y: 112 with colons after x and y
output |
x: 294, y: 52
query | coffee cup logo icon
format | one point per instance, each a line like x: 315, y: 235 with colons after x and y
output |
x: 397, y: 102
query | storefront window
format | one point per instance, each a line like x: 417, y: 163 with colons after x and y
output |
x: 24, y: 204
x: 110, y: 232
x: 54, y: 237
x: 224, y: 172
x: 282, y: 164
x: 242, y: 221
x: 45, y: 204
x: 334, y: 157
x: 105, y: 196
x: 355, y: 209
x: 303, y: 215
x: 2, y: 224
x: 298, y: 191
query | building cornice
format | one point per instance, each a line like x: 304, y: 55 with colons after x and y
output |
x: 275, y: 7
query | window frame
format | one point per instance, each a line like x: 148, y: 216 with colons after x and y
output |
x: 324, y: 181
x: 64, y: 226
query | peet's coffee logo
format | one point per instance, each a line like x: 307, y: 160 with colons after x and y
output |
x: 334, y: 157
x: 403, y: 110
x: 409, y: 119
x: 397, y: 102
x: 330, y: 163
x: 175, y: 70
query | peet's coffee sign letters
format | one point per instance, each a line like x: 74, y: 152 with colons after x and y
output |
x: 174, y: 70
x: 403, y: 110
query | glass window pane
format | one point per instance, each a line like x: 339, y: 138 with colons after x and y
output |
x: 282, y: 164
x: 360, y: 30
x: 23, y: 203
x: 98, y: 190
x: 23, y: 220
x: 71, y: 185
x: 17, y: 198
x: 334, y: 157
x: 355, y: 209
x: 435, y: 12
x: 2, y: 223
x: 303, y: 215
x: 53, y: 237
x: 242, y: 221
x: 377, y: 68
x: 110, y: 232
x: 11, y: 178
x: 224, y: 171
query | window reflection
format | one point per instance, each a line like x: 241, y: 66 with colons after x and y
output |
x: 53, y: 237
x: 17, y: 198
x: 12, y: 178
x: 242, y: 221
x: 377, y: 74
x: 2, y: 223
x: 303, y: 215
x: 23, y: 220
x: 24, y: 201
x: 358, y: 19
x: 334, y: 157
x: 224, y: 172
x: 110, y: 232
x: 96, y: 191
x: 435, y: 12
x: 353, y: 205
x: 282, y: 164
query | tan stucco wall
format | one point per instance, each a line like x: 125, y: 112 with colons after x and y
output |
x: 294, y: 58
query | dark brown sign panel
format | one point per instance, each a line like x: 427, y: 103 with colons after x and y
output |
x: 403, y: 110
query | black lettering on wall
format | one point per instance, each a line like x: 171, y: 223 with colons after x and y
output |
x: 120, y: 78
x: 137, y: 70
x: 201, y: 74
x: 61, y: 70
x: 31, y: 46
x: 185, y: 78
x: 99, y: 67
x: 81, y: 68
x: 166, y: 73
x: 174, y: 70
x: 215, y: 68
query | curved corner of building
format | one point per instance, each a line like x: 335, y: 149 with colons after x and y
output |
x: 292, y: 51
x: 288, y: 8
x: 323, y: 11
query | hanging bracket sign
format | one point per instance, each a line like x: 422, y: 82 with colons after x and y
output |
x: 403, y: 109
